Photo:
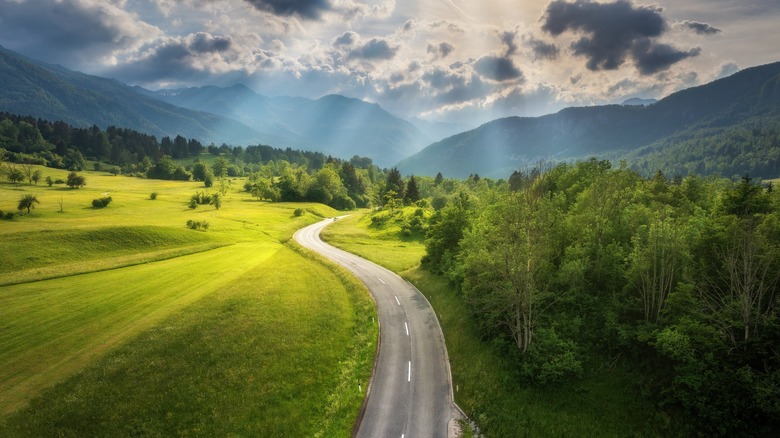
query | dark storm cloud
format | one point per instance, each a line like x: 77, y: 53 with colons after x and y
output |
x: 376, y: 48
x: 651, y: 58
x: 310, y: 9
x: 613, y: 32
x: 175, y: 58
x: 64, y: 32
x: 543, y: 50
x: 205, y: 43
x: 443, y: 49
x: 497, y: 68
x: 700, y: 28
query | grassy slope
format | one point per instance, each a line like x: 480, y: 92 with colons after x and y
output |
x: 599, y: 405
x: 149, y: 334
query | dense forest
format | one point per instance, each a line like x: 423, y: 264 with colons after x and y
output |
x: 578, y: 265
x: 752, y: 146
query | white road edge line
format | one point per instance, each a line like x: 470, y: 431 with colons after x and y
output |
x: 396, y: 300
x: 383, y: 282
x: 409, y: 377
x: 407, y: 328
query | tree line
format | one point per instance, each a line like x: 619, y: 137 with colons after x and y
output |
x: 571, y: 266
x: 273, y: 174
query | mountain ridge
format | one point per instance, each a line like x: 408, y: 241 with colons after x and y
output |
x: 501, y: 146
x: 334, y: 124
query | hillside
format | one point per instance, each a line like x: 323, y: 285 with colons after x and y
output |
x: 333, y: 124
x: 501, y: 146
x: 53, y: 92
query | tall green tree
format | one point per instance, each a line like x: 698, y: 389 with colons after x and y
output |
x: 412, y: 193
x: 395, y: 183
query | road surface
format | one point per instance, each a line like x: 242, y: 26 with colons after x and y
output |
x: 410, y: 394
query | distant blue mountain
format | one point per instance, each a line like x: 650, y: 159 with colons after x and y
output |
x: 659, y: 133
x: 236, y: 115
x: 53, y: 92
x: 333, y: 124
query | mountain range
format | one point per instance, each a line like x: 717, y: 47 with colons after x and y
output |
x: 499, y: 147
x: 333, y: 124
x: 736, y: 118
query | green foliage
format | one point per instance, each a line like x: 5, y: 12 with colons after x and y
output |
x: 75, y: 180
x: 566, y: 267
x: 15, y: 175
x: 166, y: 168
x: 197, y: 225
x: 201, y: 198
x: 153, y: 196
x: 412, y: 193
x: 216, y: 200
x: 299, y: 212
x: 36, y: 176
x: 394, y: 183
x: 27, y: 202
x: 446, y: 229
x: 101, y: 202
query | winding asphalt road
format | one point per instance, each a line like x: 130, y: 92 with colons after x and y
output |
x: 410, y: 394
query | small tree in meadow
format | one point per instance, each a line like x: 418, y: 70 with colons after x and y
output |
x: 15, y: 175
x: 28, y: 202
x: 216, y: 200
x: 75, y: 180
x: 36, y: 176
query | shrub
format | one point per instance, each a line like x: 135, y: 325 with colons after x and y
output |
x: 343, y: 202
x: 153, y: 196
x: 59, y: 181
x: 75, y: 180
x: 9, y: 215
x: 101, y: 202
x: 299, y: 212
x: 197, y: 225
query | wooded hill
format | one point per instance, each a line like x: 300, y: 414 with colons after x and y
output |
x: 678, y: 134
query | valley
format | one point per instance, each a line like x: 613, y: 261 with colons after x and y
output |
x: 122, y: 319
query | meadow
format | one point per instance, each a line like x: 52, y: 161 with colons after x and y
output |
x: 122, y: 321
x: 602, y: 404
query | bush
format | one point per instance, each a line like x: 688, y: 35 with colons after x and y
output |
x: 59, y: 181
x: 153, y: 196
x: 75, y: 180
x: 299, y: 212
x: 101, y: 202
x: 197, y: 225
x: 550, y: 359
x: 200, y: 198
x: 343, y: 202
x: 9, y: 215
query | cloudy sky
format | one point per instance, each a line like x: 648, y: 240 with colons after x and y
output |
x: 444, y: 60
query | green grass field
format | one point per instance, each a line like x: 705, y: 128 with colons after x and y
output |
x: 121, y: 321
x: 384, y: 245
x: 599, y: 405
